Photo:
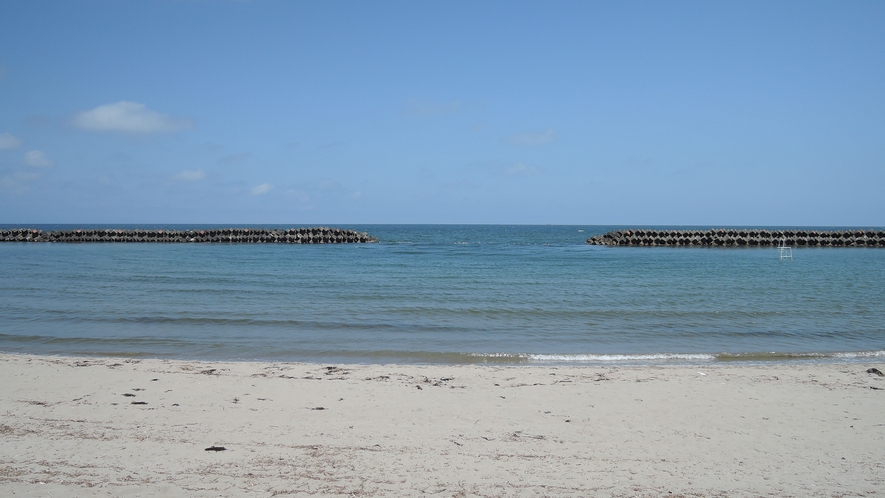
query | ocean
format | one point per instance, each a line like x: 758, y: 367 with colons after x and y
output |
x: 451, y: 294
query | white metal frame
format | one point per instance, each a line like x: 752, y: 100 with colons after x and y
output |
x: 785, y: 251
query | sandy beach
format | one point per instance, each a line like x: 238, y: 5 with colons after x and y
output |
x: 120, y: 427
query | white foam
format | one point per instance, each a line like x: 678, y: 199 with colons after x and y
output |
x: 860, y: 354
x: 623, y: 357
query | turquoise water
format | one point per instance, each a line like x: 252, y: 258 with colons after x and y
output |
x: 446, y: 294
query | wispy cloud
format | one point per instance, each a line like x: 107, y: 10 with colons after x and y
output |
x: 481, y: 127
x: 191, y: 175
x: 9, y: 142
x: 17, y: 182
x: 532, y: 138
x: 233, y: 159
x: 262, y: 189
x: 456, y: 184
x: 120, y: 157
x: 331, y: 145
x: 328, y: 185
x: 298, y: 193
x: 322, y: 189
x: 129, y: 117
x: 519, y: 169
x: 415, y: 107
x: 38, y: 159
x: 38, y: 120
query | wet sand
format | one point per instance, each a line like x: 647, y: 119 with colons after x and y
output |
x: 118, y: 427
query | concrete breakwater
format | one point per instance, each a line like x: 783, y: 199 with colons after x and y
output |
x: 728, y: 237
x: 313, y: 235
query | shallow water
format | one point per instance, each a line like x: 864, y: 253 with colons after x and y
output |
x: 446, y: 294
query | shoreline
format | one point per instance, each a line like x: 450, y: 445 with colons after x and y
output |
x: 578, y: 360
x: 101, y: 426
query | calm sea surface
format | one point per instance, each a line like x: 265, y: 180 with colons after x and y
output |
x: 443, y: 294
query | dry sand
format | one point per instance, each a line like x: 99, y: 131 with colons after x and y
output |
x: 116, y: 427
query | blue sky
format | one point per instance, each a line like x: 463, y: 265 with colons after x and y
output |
x: 671, y: 113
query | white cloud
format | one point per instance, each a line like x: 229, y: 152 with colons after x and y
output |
x: 544, y: 137
x: 8, y: 142
x: 129, y: 117
x: 262, y: 189
x: 519, y: 169
x: 191, y: 175
x: 38, y: 159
